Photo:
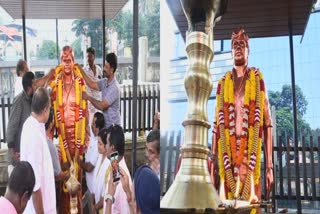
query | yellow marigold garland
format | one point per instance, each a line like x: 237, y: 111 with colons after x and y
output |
x: 251, y: 134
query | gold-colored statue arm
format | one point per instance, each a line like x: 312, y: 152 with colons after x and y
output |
x: 268, y: 153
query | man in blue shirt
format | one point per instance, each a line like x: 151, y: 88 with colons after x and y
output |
x: 110, y: 103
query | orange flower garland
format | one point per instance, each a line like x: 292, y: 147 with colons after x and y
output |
x: 230, y: 153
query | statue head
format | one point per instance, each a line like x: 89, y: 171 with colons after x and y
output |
x: 240, y: 47
x: 67, y: 59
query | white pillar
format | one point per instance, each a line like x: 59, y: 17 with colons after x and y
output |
x: 143, y: 59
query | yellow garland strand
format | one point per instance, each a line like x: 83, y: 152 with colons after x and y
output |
x: 258, y: 165
x: 221, y: 169
x: 255, y: 143
x: 228, y: 173
x: 77, y: 92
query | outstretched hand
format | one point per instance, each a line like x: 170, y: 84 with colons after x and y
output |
x: 112, y: 186
x: 125, y: 183
x: 269, y: 181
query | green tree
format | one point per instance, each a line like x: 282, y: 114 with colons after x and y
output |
x: 122, y: 23
x: 284, y: 111
x: 91, y: 28
x: 76, y: 46
x: 48, y: 50
x: 149, y: 24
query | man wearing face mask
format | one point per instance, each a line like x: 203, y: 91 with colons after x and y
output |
x: 95, y: 73
x: 242, y: 116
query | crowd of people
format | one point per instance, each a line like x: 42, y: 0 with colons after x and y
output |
x: 39, y: 170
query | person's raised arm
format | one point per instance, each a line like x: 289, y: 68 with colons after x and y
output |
x: 124, y: 179
x: 268, y: 146
x: 100, y: 105
x: 44, y: 81
x: 90, y: 83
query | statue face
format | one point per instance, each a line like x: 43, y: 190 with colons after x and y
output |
x: 240, y: 52
x: 67, y: 63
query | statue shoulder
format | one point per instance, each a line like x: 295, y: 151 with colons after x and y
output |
x: 255, y: 69
x: 224, y: 76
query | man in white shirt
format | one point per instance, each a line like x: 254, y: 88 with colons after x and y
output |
x: 95, y: 73
x: 34, y: 149
x: 21, y: 68
x: 92, y: 151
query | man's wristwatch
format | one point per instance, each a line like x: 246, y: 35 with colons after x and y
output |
x: 110, y: 197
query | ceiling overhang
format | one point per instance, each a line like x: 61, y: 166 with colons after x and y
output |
x: 263, y: 18
x: 62, y: 9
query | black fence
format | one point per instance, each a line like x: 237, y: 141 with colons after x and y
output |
x: 148, y: 101
x: 284, y: 191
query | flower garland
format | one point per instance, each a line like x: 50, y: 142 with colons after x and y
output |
x: 230, y: 152
x: 80, y: 114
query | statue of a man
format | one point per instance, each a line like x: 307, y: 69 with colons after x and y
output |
x: 242, y: 117
x: 70, y: 121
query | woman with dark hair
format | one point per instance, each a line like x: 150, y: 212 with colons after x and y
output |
x: 101, y: 171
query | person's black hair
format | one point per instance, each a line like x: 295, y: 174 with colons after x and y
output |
x: 154, y: 136
x: 27, y: 80
x: 116, y: 138
x: 40, y: 100
x: 112, y: 59
x: 22, y: 179
x: 50, y: 119
x: 103, y: 134
x: 99, y: 120
x: 20, y: 66
x: 91, y: 50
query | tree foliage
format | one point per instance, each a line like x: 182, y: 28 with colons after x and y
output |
x: 149, y: 25
x: 48, y: 50
x: 284, y: 110
x: 91, y: 28
x: 76, y: 46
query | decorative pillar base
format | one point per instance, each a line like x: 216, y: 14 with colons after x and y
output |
x: 192, y: 187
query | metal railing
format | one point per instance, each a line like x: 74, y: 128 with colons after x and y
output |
x: 284, y: 168
x: 148, y: 103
